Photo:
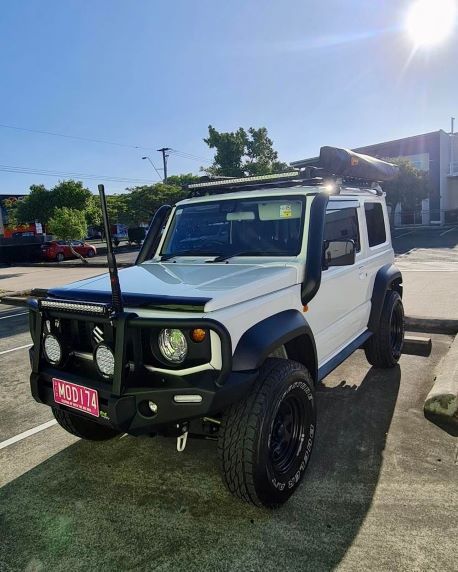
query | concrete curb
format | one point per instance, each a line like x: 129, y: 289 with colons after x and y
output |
x: 442, y: 400
x: 71, y: 265
x: 431, y: 325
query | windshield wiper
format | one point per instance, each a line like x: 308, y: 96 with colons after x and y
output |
x: 185, y: 253
x: 223, y: 257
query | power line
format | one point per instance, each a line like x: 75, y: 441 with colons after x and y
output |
x: 53, y: 173
x: 77, y: 137
x: 186, y: 155
x: 183, y: 154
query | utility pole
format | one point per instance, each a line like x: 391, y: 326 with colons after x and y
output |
x: 164, y: 150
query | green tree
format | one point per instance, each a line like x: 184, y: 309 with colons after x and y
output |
x: 68, y: 224
x: 408, y: 188
x: 93, y: 212
x: 243, y: 153
x: 40, y: 203
x: 142, y: 202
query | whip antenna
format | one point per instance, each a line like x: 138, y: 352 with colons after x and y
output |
x: 112, y: 266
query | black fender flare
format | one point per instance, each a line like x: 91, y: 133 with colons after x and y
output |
x: 386, y: 277
x: 259, y: 341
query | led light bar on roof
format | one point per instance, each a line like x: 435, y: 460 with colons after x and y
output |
x: 245, y: 180
x: 71, y: 306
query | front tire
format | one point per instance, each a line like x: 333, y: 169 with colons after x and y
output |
x: 265, y: 441
x: 384, y: 348
x: 82, y: 427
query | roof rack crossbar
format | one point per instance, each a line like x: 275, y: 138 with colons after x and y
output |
x: 339, y: 166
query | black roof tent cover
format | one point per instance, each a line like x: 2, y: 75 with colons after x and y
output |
x: 333, y: 163
x: 347, y: 163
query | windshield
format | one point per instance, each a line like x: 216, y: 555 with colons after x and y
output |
x: 237, y: 227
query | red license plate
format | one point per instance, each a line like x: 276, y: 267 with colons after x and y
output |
x: 76, y: 396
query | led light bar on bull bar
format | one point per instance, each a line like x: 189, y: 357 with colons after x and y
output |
x: 246, y: 180
x: 72, y: 306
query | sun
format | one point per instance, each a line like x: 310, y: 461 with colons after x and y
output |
x: 430, y: 22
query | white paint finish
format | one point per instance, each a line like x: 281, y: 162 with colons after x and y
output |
x: 13, y: 316
x: 224, y: 284
x: 15, y: 349
x: 238, y: 319
x: 26, y: 434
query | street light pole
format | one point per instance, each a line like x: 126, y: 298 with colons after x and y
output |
x: 164, y: 150
x: 154, y: 166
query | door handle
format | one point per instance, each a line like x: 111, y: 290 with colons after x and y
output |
x: 362, y: 273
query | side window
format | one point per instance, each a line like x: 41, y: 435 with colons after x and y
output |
x: 342, y: 224
x: 375, y: 223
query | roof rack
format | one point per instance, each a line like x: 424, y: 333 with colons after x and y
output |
x: 340, y: 167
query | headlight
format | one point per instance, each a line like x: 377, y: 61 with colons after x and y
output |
x: 104, y: 360
x: 52, y: 349
x: 173, y: 345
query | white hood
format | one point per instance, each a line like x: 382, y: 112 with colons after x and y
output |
x: 213, y: 285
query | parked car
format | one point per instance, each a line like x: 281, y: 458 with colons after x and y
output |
x: 61, y: 249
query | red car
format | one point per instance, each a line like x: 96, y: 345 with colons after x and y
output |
x: 60, y: 249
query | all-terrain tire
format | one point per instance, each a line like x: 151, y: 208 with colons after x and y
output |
x: 384, y: 348
x: 263, y: 461
x: 82, y: 427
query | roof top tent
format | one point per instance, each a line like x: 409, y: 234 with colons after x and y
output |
x: 333, y: 164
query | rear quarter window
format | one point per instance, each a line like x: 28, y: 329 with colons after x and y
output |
x: 375, y: 223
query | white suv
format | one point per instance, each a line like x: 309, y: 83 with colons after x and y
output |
x: 243, y: 298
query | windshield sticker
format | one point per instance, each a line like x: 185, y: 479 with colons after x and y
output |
x: 285, y: 211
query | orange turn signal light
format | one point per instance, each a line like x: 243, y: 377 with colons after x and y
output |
x: 198, y: 335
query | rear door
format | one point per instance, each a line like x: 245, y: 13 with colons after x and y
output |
x: 377, y: 236
x: 340, y: 310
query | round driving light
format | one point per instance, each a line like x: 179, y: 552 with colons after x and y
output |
x: 198, y: 335
x: 173, y: 345
x: 104, y: 360
x: 153, y: 407
x: 52, y: 349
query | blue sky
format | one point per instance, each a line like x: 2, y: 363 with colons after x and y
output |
x: 155, y: 73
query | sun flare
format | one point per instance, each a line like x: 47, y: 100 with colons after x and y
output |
x: 430, y: 22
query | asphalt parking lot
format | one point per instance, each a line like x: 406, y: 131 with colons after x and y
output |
x: 380, y: 493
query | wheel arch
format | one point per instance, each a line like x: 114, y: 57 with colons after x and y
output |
x: 289, y: 329
x: 388, y: 277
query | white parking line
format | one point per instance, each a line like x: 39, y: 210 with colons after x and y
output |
x: 405, y: 234
x: 449, y: 230
x: 14, y: 349
x: 13, y: 315
x: 26, y: 434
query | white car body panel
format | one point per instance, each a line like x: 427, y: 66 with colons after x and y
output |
x: 242, y: 291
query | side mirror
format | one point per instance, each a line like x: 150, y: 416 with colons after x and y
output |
x: 338, y: 253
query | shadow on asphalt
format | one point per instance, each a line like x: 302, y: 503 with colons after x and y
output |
x: 14, y: 326
x: 423, y: 239
x: 137, y: 504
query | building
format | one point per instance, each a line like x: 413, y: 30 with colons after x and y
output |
x: 436, y: 153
